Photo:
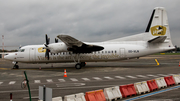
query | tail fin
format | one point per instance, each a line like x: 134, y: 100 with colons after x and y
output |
x: 158, y: 23
x: 158, y: 27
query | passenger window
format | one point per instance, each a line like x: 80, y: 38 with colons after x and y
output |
x: 102, y: 51
x: 108, y: 51
x: 114, y: 51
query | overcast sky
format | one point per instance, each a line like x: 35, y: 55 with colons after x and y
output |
x: 25, y: 22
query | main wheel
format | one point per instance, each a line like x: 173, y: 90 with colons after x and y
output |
x: 83, y: 64
x: 78, y: 66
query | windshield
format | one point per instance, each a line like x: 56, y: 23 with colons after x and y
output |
x: 21, y: 50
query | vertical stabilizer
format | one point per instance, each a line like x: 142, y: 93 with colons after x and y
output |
x: 158, y: 23
x: 158, y: 29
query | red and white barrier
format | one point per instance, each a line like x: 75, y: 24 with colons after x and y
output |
x: 141, y: 87
x: 169, y: 80
x: 127, y: 90
x: 97, y: 95
x: 161, y: 82
x: 176, y: 79
x: 112, y: 94
x: 117, y: 92
x: 75, y: 97
x: 152, y: 85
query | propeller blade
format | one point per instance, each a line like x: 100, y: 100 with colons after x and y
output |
x: 47, y: 40
x: 47, y: 50
x: 47, y: 54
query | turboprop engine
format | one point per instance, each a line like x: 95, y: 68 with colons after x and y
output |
x: 57, y: 47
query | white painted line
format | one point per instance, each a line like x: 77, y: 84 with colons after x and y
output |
x: 12, y: 82
x: 152, y: 75
x: 37, y: 81
x: 107, y: 77
x: 49, y: 80
x: 61, y: 80
x: 141, y: 76
x: 73, y: 79
x: 131, y: 77
x: 34, y: 97
x: 119, y: 77
x: 97, y: 78
x: 85, y: 79
x: 162, y: 75
x: 171, y: 74
x: 1, y: 83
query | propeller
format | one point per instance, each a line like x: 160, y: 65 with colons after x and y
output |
x: 56, y: 40
x: 46, y: 44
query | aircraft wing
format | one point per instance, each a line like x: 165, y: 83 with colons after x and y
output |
x: 70, y: 41
x: 77, y: 46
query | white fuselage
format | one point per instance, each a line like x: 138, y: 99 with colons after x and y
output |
x: 112, y: 51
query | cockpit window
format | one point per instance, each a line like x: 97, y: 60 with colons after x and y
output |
x: 21, y: 50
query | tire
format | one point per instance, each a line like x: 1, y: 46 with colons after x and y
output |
x: 83, y: 64
x: 78, y: 66
x: 14, y: 67
x: 17, y: 67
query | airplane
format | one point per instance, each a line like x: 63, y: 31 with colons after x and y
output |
x: 155, y: 39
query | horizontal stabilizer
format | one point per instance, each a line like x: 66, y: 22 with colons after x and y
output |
x: 159, y: 39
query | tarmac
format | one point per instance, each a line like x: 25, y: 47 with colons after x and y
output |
x: 95, y: 76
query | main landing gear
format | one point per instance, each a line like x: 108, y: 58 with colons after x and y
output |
x: 15, y: 65
x: 79, y: 64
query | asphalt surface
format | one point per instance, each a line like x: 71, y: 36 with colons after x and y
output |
x: 94, y: 76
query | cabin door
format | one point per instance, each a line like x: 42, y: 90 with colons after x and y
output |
x: 122, y: 52
x: 32, y: 54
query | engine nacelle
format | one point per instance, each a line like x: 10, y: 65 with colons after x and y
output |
x: 58, y: 47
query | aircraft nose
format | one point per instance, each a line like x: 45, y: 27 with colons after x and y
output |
x: 9, y: 56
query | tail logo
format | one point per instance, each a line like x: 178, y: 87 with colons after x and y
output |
x: 158, y: 30
x: 41, y: 50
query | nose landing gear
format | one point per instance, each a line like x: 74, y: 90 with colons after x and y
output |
x: 15, y: 65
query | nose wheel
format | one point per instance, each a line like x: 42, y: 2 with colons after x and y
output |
x: 15, y: 67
